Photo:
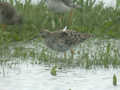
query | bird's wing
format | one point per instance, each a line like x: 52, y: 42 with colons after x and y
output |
x: 72, y: 37
x: 66, y: 38
x: 68, y: 2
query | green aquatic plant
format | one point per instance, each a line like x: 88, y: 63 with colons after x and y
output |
x: 114, y: 80
x: 54, y: 71
x: 117, y: 3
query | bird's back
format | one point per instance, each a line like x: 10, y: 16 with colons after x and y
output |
x: 72, y: 37
x: 58, y: 6
x: 64, y: 40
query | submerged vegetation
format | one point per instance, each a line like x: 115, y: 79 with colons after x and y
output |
x: 114, y: 80
x: 96, y: 19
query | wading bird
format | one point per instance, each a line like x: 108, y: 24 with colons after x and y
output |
x: 8, y: 15
x: 62, y: 6
x: 62, y: 41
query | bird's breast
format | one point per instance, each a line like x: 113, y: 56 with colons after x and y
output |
x: 56, y: 45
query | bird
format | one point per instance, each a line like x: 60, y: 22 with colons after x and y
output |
x: 9, y: 15
x: 62, y: 41
x: 62, y: 6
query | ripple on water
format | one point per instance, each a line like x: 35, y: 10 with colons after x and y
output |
x: 38, y: 77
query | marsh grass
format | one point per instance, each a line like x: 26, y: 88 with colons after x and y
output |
x: 104, y: 55
x: 114, y: 80
x: 118, y: 3
x: 91, y: 18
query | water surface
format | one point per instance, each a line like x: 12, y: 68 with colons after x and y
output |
x: 38, y: 77
x: 22, y: 73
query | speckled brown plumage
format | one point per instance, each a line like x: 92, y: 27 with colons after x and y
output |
x: 63, y: 40
x: 8, y: 14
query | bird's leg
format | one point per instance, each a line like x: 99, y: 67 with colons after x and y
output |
x: 61, y: 20
x: 72, y: 52
x: 70, y: 18
x: 3, y: 26
x: 65, y: 55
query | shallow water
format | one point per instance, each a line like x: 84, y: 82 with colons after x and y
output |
x: 21, y: 73
x: 38, y: 77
